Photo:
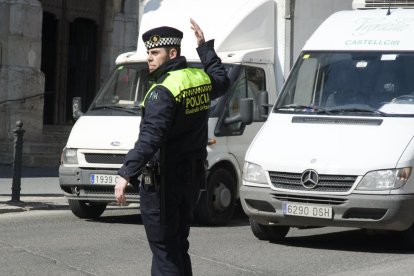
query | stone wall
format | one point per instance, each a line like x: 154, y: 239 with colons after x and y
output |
x: 21, y: 81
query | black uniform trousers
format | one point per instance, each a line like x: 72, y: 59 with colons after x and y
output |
x: 169, y: 240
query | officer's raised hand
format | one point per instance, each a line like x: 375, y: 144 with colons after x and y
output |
x: 198, y: 32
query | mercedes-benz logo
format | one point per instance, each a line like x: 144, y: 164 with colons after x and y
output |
x: 309, y: 179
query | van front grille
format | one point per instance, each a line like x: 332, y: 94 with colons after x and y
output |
x: 109, y: 190
x: 327, y: 183
x: 102, y: 158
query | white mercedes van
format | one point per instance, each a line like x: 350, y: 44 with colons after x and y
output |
x: 337, y: 148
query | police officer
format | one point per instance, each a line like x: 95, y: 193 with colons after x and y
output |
x: 170, y: 152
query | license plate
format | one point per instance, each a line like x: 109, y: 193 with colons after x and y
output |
x: 307, y: 210
x: 104, y: 179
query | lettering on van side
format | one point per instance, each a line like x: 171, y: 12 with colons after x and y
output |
x: 369, y: 25
x: 371, y: 42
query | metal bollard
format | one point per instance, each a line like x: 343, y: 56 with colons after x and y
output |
x: 17, y: 162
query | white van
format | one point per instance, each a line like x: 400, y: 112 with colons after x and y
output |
x: 337, y: 148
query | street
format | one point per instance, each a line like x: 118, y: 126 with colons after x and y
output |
x: 54, y: 242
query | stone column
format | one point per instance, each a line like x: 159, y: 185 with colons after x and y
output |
x: 21, y: 81
x: 119, y: 33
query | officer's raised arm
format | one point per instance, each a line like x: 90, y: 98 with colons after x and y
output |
x: 211, y: 62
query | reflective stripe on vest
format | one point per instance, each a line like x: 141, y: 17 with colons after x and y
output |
x: 193, y: 84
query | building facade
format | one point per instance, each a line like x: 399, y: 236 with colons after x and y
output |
x: 50, y: 52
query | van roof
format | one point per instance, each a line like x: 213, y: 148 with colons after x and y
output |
x: 365, y: 30
x: 238, y: 26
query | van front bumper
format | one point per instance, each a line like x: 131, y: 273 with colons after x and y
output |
x: 387, y: 212
x: 75, y: 184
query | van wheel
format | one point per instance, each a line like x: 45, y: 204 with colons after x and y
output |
x: 85, y: 209
x: 217, y: 204
x: 267, y: 232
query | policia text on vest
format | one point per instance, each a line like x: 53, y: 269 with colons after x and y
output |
x: 197, y: 99
x: 194, y: 88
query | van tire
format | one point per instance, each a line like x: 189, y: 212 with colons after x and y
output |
x: 85, y: 209
x: 267, y: 232
x: 217, y: 203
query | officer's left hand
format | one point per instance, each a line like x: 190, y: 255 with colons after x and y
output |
x: 120, y: 187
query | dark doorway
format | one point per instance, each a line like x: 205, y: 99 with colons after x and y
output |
x: 49, y: 65
x: 82, y: 56
x: 70, y: 50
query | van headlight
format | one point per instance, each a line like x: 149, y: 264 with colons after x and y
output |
x: 254, y: 173
x: 384, y: 179
x: 69, y: 156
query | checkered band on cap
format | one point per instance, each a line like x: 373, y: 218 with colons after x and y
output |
x: 162, y: 37
x: 156, y: 41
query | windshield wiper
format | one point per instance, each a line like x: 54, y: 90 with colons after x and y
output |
x: 118, y: 108
x: 357, y: 110
x: 304, y: 108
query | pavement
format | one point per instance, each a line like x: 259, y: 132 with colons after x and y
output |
x: 39, y: 190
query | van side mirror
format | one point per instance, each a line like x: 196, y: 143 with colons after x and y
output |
x: 245, y: 114
x: 76, y: 107
x: 263, y: 104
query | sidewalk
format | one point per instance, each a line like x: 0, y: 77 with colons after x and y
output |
x: 29, y: 203
x: 39, y: 190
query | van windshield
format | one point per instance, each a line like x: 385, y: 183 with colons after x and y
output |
x: 346, y: 83
x: 125, y: 89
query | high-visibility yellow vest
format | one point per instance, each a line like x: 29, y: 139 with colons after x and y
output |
x: 191, y: 85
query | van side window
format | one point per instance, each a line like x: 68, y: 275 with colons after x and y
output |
x: 250, y: 82
x: 300, y: 90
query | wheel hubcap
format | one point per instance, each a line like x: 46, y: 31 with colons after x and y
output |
x: 222, y: 197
